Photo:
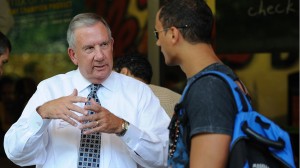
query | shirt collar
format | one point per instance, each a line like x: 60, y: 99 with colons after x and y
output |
x: 79, y: 81
x: 111, y: 81
x: 82, y: 83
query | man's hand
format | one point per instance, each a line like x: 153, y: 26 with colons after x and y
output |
x: 101, y: 121
x: 63, y: 108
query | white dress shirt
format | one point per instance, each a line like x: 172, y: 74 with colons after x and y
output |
x: 54, y: 143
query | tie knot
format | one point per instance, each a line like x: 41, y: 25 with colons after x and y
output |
x: 95, y: 87
x: 93, y: 94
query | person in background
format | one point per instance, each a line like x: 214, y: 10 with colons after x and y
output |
x: 6, y: 89
x: 24, y: 89
x: 56, y: 121
x: 7, y: 102
x: 183, y: 30
x: 7, y: 107
x: 138, y: 67
x: 5, y: 49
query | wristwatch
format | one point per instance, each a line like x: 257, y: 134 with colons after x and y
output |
x: 125, y: 126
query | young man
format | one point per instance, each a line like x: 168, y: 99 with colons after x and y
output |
x: 138, y: 67
x: 5, y: 49
x: 183, y: 30
x: 122, y: 125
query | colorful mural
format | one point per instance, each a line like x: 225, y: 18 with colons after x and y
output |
x: 39, y: 33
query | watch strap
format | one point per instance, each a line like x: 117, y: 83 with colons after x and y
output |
x: 125, y: 126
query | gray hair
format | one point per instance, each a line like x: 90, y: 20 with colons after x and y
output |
x: 84, y: 20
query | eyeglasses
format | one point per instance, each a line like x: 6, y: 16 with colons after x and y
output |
x: 157, y: 31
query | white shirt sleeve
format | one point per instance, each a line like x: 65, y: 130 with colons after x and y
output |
x: 146, y: 150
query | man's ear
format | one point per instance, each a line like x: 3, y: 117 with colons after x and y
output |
x: 125, y: 71
x: 175, y: 34
x: 72, y: 56
x: 112, y: 44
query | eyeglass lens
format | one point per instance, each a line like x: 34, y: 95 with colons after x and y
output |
x: 156, y: 34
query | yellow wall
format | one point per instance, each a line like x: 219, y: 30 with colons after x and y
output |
x: 267, y: 85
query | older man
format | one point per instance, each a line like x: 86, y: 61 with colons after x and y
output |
x: 91, y: 116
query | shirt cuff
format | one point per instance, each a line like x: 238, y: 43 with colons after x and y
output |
x: 132, y: 136
x: 38, y: 124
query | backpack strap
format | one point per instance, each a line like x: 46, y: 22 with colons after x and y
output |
x: 242, y: 102
x: 241, y: 99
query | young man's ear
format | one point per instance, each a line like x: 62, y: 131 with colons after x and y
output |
x: 175, y: 33
x: 125, y: 71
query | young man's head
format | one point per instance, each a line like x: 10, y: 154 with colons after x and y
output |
x: 136, y: 66
x: 5, y: 49
x: 180, y: 26
x: 193, y: 18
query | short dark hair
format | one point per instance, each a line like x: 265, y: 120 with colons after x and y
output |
x: 193, y: 14
x: 138, y: 65
x: 4, y: 43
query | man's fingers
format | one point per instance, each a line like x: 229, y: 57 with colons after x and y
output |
x: 74, y: 93
x: 91, y: 127
x: 69, y: 119
x: 65, y: 108
x: 93, y: 106
x: 74, y: 98
x: 93, y: 130
x: 77, y: 99
x: 77, y: 109
x: 74, y: 116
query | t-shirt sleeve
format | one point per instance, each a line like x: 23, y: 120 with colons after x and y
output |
x: 210, y: 107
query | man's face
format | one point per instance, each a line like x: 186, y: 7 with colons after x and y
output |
x: 93, y: 52
x: 163, y: 41
x: 3, y: 60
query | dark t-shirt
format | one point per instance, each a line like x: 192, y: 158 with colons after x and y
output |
x: 210, y: 106
x: 207, y: 107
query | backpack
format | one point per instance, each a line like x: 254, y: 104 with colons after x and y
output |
x: 257, y: 142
